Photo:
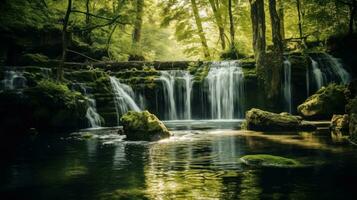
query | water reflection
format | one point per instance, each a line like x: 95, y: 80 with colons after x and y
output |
x: 190, y: 165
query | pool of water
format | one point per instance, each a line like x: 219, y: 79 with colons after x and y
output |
x: 197, y: 164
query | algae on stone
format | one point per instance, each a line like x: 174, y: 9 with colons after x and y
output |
x: 260, y: 120
x: 143, y: 126
x: 324, y: 103
x: 265, y: 160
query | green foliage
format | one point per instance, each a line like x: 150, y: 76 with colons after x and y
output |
x: 168, y: 31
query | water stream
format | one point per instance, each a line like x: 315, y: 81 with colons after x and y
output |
x: 225, y: 81
x: 287, y: 86
x: 123, y: 98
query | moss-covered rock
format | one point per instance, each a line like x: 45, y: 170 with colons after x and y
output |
x: 264, y: 160
x: 324, y: 103
x: 143, y: 126
x: 339, y: 123
x: 260, y: 120
x: 48, y: 107
x: 353, y: 127
x: 351, y: 109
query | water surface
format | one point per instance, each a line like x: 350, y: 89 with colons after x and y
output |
x: 197, y: 164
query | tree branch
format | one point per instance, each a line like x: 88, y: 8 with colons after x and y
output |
x: 114, y: 20
x: 92, y: 15
x: 75, y: 52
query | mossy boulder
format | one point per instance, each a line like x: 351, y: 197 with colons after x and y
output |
x: 351, y: 108
x: 143, y: 126
x: 353, y: 127
x: 259, y: 120
x: 265, y: 160
x: 48, y: 107
x: 324, y: 103
x: 339, y: 123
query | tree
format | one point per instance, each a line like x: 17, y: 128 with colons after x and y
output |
x: 258, y: 25
x: 219, y: 21
x: 278, y: 49
x: 281, y: 14
x: 298, y: 7
x: 64, y: 40
x: 352, y: 4
x: 231, y: 25
x: 200, y: 29
x: 136, y: 38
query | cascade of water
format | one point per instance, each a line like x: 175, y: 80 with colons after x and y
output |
x: 177, y: 88
x: 13, y: 80
x: 92, y: 115
x: 188, y: 85
x: 318, y: 77
x: 337, y: 68
x: 226, y: 89
x: 287, y: 85
x: 169, y: 83
x: 123, y: 97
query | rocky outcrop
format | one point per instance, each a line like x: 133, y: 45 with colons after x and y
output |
x: 324, y: 103
x: 143, y: 126
x: 264, y: 160
x: 259, y: 120
x: 339, y: 123
x: 351, y: 108
x: 48, y: 107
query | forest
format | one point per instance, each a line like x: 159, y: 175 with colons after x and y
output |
x: 178, y: 99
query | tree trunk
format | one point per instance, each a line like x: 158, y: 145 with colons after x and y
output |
x: 87, y: 34
x: 353, y: 11
x: 64, y: 41
x: 299, y: 16
x: 277, y: 58
x: 281, y: 14
x: 136, y: 38
x: 200, y: 29
x: 258, y: 24
x: 219, y: 23
x: 231, y: 25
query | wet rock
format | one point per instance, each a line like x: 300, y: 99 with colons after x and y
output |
x: 353, y: 127
x: 324, y: 103
x: 264, y: 160
x: 260, y: 120
x: 143, y: 126
x: 351, y: 109
x: 339, y: 123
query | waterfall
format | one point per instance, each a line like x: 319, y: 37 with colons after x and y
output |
x: 319, y: 80
x: 337, y: 68
x: 168, y: 86
x: 177, y: 90
x: 325, y: 69
x: 13, y: 80
x: 188, y: 85
x: 123, y: 98
x: 225, y: 82
x: 287, y: 85
x: 92, y: 115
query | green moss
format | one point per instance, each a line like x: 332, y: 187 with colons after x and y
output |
x: 325, y: 102
x: 34, y: 59
x: 199, y: 70
x: 260, y: 120
x: 143, y: 126
x: 265, y: 160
